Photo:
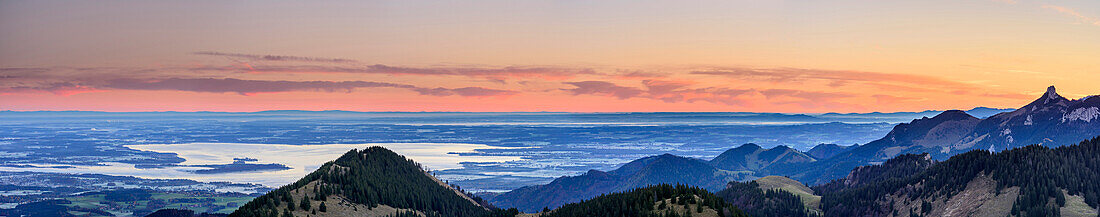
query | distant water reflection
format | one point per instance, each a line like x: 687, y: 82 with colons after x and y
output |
x: 301, y: 158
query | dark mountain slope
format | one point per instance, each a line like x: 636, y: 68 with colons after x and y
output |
x: 662, y: 169
x: 1050, y: 120
x: 942, y: 136
x: 751, y: 157
x: 371, y: 182
x: 738, y: 158
x: 1027, y: 181
x: 825, y: 151
x: 919, y: 136
x: 900, y: 166
x: 671, y: 169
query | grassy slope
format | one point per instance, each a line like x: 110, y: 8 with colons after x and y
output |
x: 1075, y: 206
x: 790, y: 185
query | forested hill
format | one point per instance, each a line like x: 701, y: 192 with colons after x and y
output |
x: 772, y: 196
x: 371, y: 182
x: 1027, y: 181
x: 661, y: 200
x: 900, y: 166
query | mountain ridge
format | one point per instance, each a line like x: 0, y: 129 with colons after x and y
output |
x: 1048, y: 120
x: 653, y: 170
x: 934, y: 136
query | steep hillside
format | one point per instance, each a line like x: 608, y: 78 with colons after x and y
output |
x: 771, y: 200
x: 809, y: 198
x: 662, y: 169
x: 898, y: 167
x: 371, y: 182
x: 1027, y: 181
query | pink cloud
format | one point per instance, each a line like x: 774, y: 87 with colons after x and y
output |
x: 1069, y: 11
x: 466, y: 91
x: 603, y: 88
x: 60, y: 88
x: 667, y: 91
x: 834, y: 77
x: 279, y: 64
x: 258, y: 57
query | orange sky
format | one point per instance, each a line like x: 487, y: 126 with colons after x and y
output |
x: 580, y: 56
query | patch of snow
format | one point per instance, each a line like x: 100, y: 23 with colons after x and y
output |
x: 1028, y: 121
x: 969, y: 142
x: 991, y: 150
x: 1083, y: 114
x: 1010, y: 140
x: 1006, y: 132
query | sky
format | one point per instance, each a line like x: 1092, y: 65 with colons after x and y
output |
x: 797, y: 56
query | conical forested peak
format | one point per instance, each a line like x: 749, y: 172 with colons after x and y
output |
x: 367, y: 178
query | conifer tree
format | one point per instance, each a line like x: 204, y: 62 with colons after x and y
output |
x: 304, y: 204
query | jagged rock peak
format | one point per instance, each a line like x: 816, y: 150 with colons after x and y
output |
x: 1051, y: 93
x: 1050, y: 97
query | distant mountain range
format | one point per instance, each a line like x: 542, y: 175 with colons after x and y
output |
x: 899, y: 175
x: 661, y: 169
x: 378, y: 182
x: 746, y: 162
x: 1050, y: 120
x: 1024, y: 181
x: 489, y: 117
